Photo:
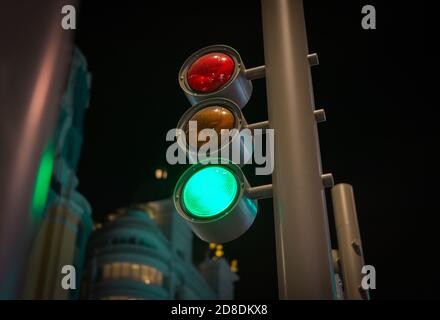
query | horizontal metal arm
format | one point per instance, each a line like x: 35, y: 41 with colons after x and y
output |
x: 255, y: 73
x: 260, y: 192
x: 320, y: 115
x: 313, y: 59
x: 258, y: 125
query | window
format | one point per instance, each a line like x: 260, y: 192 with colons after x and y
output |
x: 116, y: 270
x: 137, y: 272
x: 106, y: 271
x: 125, y: 270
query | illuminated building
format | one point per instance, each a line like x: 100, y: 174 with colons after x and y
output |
x: 67, y: 223
x: 219, y: 276
x: 145, y: 252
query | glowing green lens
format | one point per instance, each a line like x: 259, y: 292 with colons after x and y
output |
x: 209, y: 191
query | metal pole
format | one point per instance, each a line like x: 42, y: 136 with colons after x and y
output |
x: 305, y: 268
x: 33, y: 73
x: 349, y: 240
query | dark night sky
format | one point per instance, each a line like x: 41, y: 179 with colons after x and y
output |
x: 368, y: 82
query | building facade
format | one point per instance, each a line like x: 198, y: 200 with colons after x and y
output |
x: 67, y: 221
x: 145, y: 252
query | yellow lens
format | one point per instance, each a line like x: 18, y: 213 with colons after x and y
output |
x: 214, y: 117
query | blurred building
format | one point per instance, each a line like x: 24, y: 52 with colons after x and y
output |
x: 145, y: 252
x: 217, y: 273
x: 67, y: 222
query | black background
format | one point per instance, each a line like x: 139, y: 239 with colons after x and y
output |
x: 369, y: 82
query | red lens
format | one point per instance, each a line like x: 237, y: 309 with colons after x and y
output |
x: 210, y: 72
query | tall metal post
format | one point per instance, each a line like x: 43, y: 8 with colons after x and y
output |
x: 35, y: 56
x: 349, y: 241
x: 304, y: 261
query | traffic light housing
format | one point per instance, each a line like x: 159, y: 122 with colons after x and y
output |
x: 214, y: 200
x: 217, y: 114
x: 215, y: 72
x: 214, y: 196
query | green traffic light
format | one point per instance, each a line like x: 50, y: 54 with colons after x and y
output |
x: 210, y: 191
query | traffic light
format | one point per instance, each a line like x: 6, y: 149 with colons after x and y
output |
x: 213, y: 195
x: 214, y: 200
x: 218, y: 114
x: 215, y: 72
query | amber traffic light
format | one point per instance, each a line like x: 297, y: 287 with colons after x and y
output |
x: 212, y: 117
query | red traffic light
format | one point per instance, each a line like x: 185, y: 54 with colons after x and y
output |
x: 215, y: 72
x: 210, y: 72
